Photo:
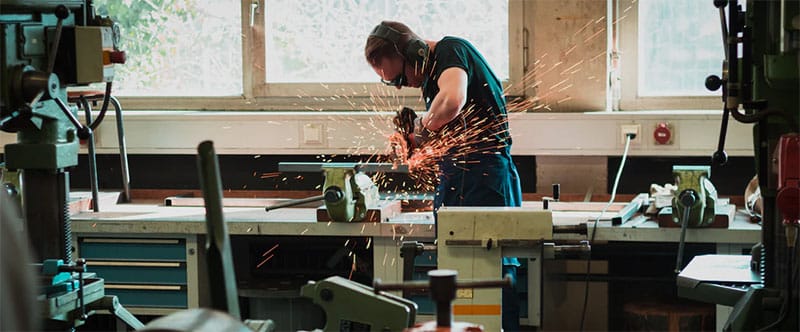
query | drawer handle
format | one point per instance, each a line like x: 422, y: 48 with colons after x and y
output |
x: 144, y: 287
x: 135, y: 264
x: 129, y: 241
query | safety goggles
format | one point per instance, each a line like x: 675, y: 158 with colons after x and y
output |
x: 399, y: 80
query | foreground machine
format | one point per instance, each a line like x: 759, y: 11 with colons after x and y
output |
x: 46, y: 47
x: 765, y: 82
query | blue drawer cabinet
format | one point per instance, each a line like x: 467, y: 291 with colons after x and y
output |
x: 141, y: 272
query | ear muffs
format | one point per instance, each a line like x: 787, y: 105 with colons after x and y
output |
x: 415, y: 51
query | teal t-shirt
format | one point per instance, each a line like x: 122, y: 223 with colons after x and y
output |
x: 483, y: 122
x: 485, y: 110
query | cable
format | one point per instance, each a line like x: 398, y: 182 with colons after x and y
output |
x: 594, y: 227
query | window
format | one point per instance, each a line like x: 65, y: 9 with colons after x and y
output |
x: 264, y: 54
x: 668, y: 48
x: 177, y: 47
x: 321, y: 41
x: 316, y: 47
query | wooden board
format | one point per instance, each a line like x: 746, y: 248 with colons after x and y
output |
x: 723, y: 218
x: 382, y: 212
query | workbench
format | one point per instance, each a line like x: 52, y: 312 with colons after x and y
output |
x: 137, y: 227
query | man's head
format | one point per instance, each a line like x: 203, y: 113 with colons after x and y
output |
x: 396, y: 54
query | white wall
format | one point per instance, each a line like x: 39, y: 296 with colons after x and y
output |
x: 543, y: 134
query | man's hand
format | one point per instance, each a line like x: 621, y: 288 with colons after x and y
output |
x: 405, y: 121
x: 410, y: 125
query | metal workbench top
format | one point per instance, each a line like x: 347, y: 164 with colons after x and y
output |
x: 160, y: 219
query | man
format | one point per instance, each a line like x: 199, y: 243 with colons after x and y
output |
x: 466, y: 117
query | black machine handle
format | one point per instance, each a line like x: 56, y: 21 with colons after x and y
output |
x: 686, y: 199
x: 294, y: 202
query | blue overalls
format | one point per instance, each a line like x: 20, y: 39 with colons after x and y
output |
x: 483, y: 173
x: 492, y: 181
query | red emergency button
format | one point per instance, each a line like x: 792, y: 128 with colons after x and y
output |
x: 117, y: 57
x: 663, y: 133
x: 112, y: 57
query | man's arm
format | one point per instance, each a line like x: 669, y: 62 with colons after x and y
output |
x: 448, y: 102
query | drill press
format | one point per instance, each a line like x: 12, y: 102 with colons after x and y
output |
x: 47, y: 46
x: 764, y: 81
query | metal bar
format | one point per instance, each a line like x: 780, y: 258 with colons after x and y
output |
x: 424, y: 284
x: 221, y: 276
x: 629, y: 210
x: 294, y: 202
x: 570, y: 229
x: 92, y: 155
x: 228, y: 201
x: 72, y: 118
x: 361, y: 167
x: 684, y: 223
x: 123, y: 152
x: 505, y: 282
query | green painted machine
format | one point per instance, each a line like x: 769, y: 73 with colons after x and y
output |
x: 46, y: 47
x: 762, y: 87
x: 347, y: 191
x: 694, y: 180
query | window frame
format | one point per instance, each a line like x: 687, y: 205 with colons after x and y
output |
x: 286, y: 94
x: 626, y: 31
x: 258, y: 95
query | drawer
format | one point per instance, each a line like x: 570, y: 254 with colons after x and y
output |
x: 132, y: 249
x: 139, y: 272
x: 151, y: 296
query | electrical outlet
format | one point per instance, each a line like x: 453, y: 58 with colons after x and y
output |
x: 626, y: 129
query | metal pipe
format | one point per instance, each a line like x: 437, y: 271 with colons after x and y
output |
x: 570, y: 229
x: 222, y: 279
x: 92, y: 156
x: 123, y: 152
x: 294, y: 202
x: 687, y: 199
x: 83, y: 131
x: 423, y: 285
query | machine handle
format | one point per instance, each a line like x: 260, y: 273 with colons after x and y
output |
x: 84, y: 132
x: 420, y: 285
x: 687, y: 199
x: 294, y: 202
x: 61, y: 12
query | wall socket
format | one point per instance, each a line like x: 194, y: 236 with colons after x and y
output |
x: 626, y: 129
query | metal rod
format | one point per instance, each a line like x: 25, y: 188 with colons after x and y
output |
x: 361, y: 167
x: 222, y: 279
x: 570, y: 229
x: 423, y: 285
x: 687, y: 199
x: 51, y: 63
x: 408, y: 285
x: 92, y: 156
x: 68, y: 113
x: 294, y: 202
x: 505, y: 282
x: 123, y: 152
x: 724, y: 32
